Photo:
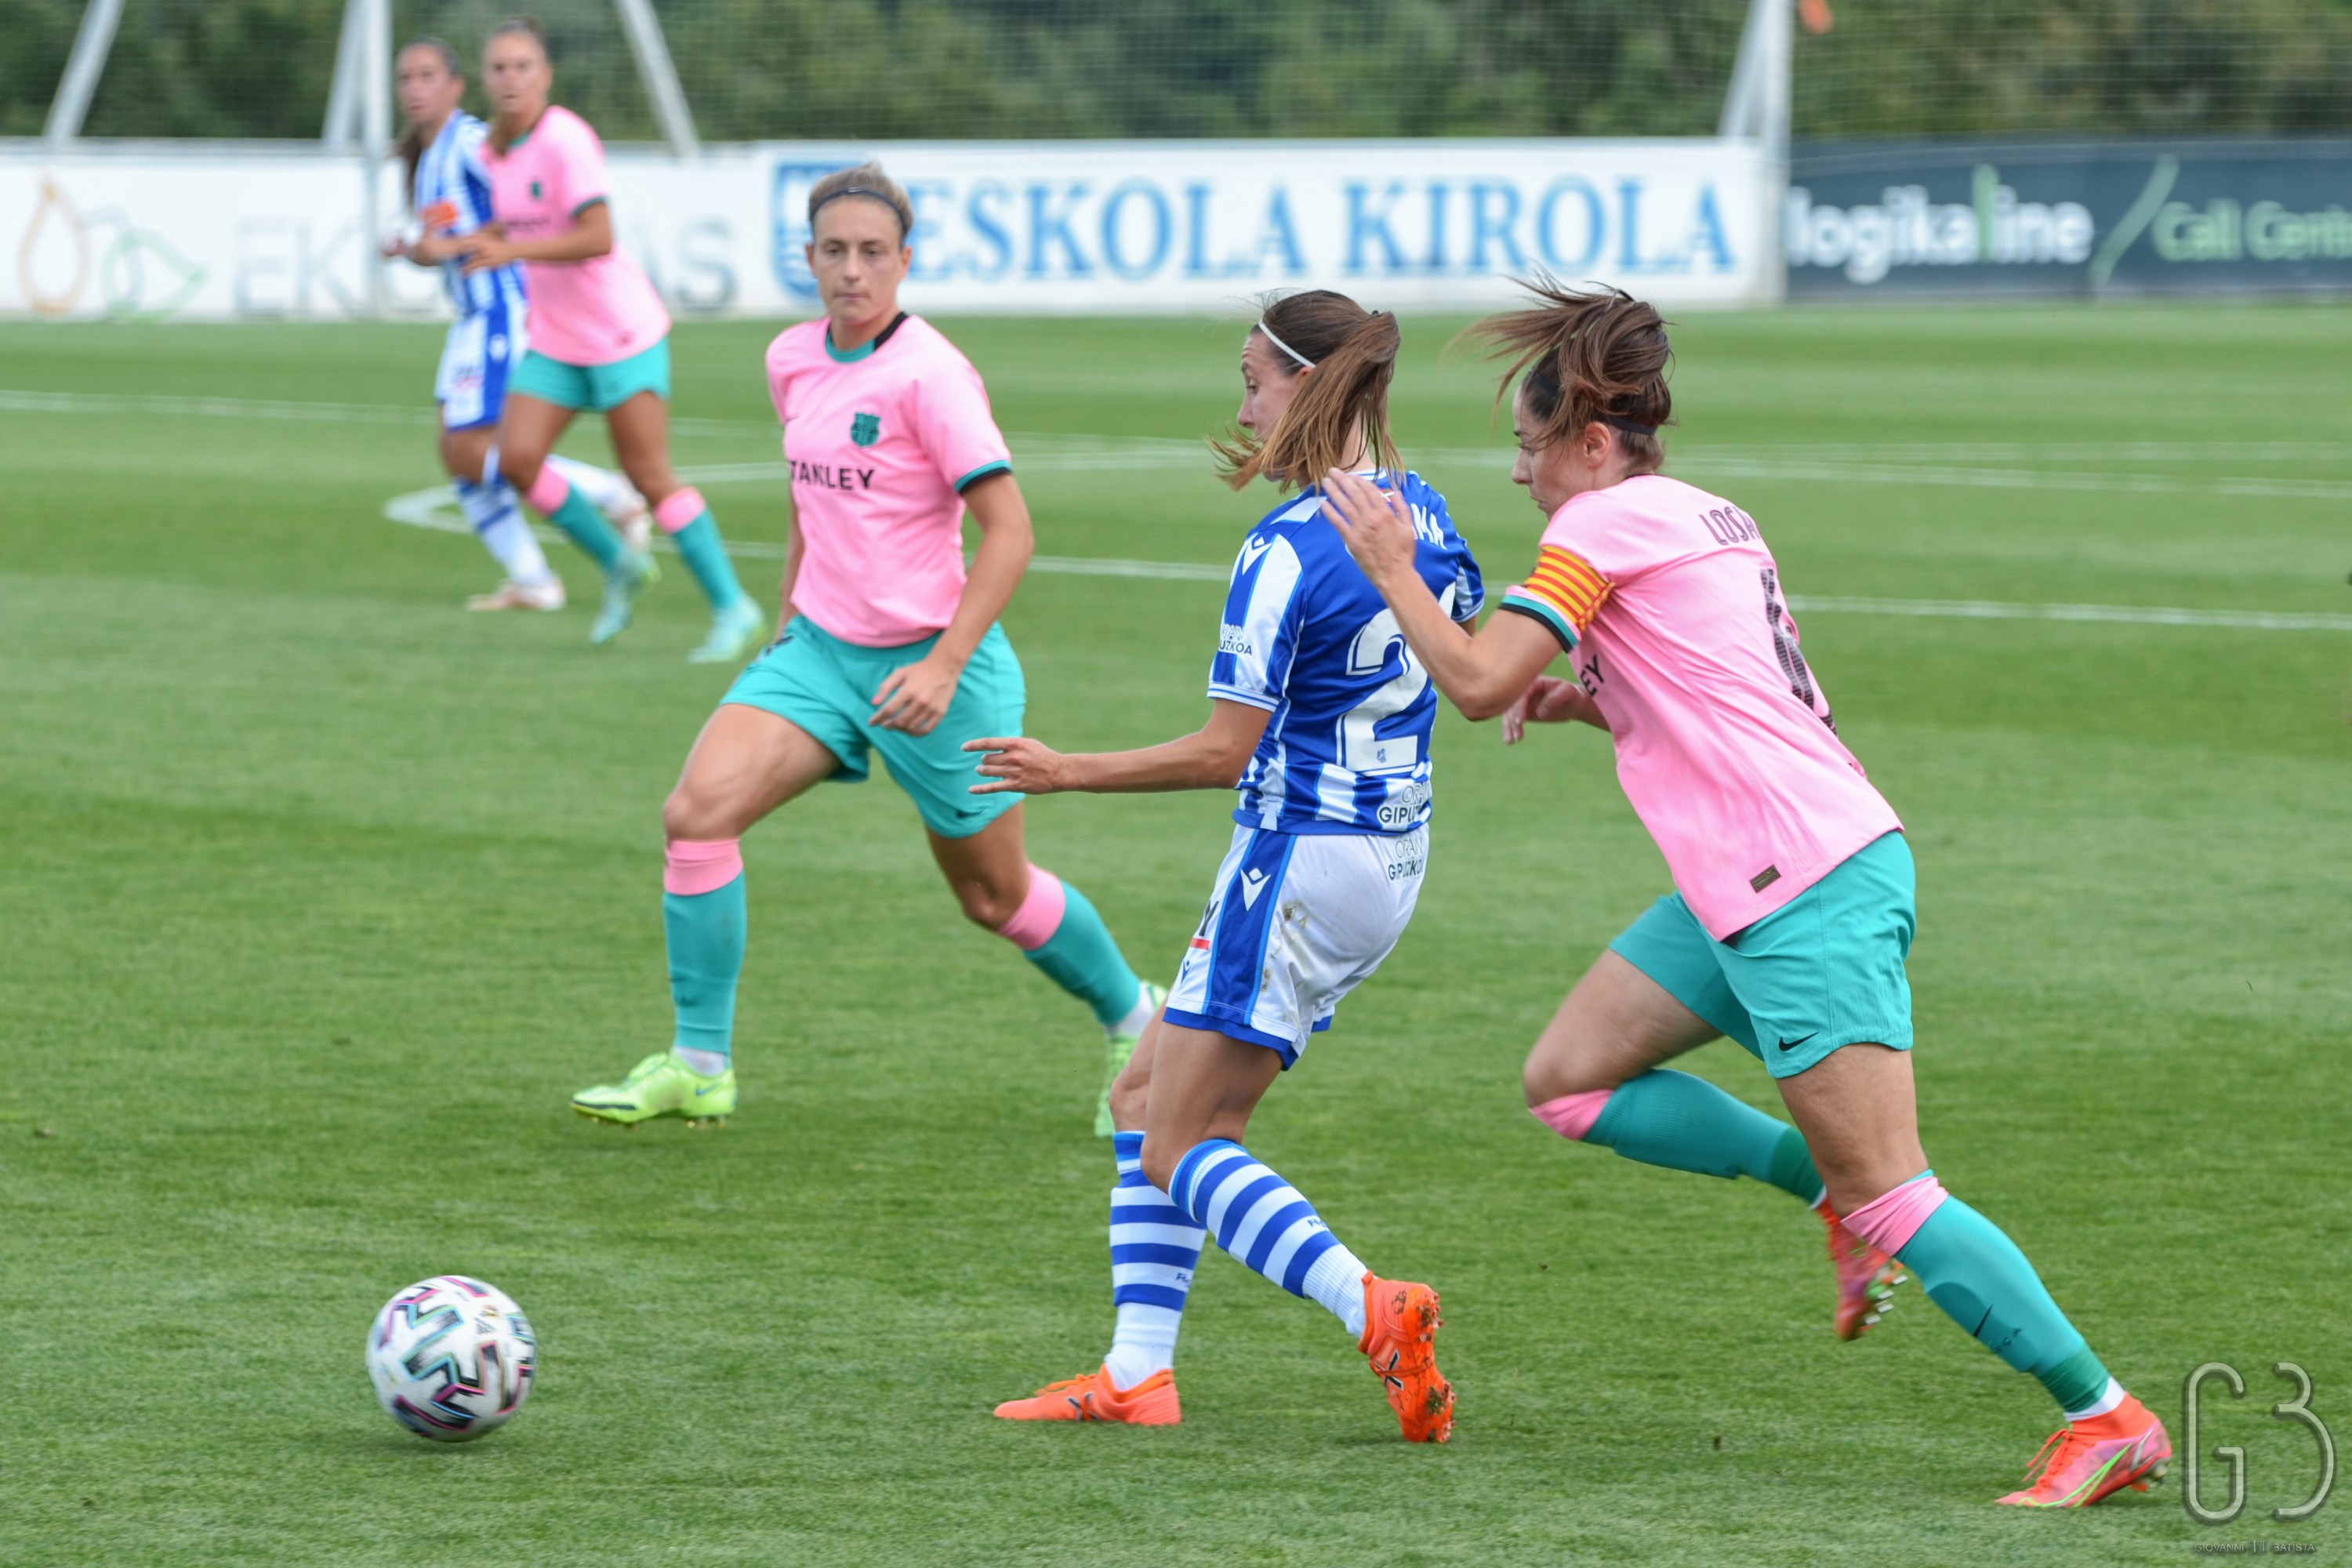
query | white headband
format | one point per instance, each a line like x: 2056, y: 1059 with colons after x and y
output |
x: 1304, y: 361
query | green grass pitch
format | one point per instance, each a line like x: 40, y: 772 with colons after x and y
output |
x: 320, y: 896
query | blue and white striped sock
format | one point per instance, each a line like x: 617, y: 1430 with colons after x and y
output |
x: 1154, y: 1251
x: 1262, y: 1221
x: 496, y: 514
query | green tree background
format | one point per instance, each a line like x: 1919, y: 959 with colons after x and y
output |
x: 876, y: 68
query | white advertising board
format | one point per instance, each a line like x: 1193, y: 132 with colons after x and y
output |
x: 196, y: 231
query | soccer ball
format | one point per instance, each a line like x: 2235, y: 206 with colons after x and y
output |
x: 451, y: 1358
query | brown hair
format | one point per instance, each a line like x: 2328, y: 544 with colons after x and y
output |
x: 1588, y: 356
x: 411, y: 145
x: 535, y: 30
x: 1352, y: 352
x: 869, y: 181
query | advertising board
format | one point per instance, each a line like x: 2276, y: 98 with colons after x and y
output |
x: 2077, y: 218
x: 1041, y: 227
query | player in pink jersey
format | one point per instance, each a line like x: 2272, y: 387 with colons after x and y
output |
x: 888, y: 645
x: 599, y: 341
x: 1792, y: 908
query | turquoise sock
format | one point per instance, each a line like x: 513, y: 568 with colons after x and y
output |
x: 706, y: 954
x: 704, y: 554
x: 586, y: 527
x: 1685, y: 1123
x: 1977, y: 1275
x: 1081, y: 958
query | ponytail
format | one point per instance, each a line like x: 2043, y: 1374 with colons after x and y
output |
x: 1593, y: 356
x: 1351, y: 353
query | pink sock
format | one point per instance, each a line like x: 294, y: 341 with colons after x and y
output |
x: 549, y: 492
x: 1890, y: 1220
x: 691, y: 866
x: 1572, y: 1115
x: 679, y: 509
x: 1040, y: 915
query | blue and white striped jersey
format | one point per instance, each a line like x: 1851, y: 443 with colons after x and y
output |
x: 453, y: 197
x: 1307, y: 635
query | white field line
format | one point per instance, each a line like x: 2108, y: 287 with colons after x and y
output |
x: 1944, y: 465
x: 436, y: 508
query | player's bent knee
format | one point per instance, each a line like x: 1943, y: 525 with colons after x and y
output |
x: 692, y: 815
x: 1161, y: 1159
x: 520, y: 469
x: 1129, y: 1096
x: 990, y: 908
x: 1552, y: 1071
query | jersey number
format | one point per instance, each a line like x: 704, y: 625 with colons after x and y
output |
x: 1361, y: 750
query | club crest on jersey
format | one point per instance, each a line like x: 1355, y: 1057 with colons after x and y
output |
x: 536, y: 192
x: 866, y: 428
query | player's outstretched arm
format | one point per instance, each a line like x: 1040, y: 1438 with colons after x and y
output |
x: 1211, y: 757
x: 1483, y: 674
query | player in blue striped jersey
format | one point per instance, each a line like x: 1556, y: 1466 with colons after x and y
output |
x: 450, y: 194
x: 1307, y: 639
x: 1321, y: 717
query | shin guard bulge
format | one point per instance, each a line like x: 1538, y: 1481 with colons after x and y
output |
x: 553, y: 496
x: 704, y: 918
x: 1685, y: 1123
x: 682, y: 515
x: 1155, y: 1249
x: 1057, y: 930
x: 1972, y: 1270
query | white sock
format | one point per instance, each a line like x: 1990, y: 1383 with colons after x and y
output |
x: 497, y: 520
x: 1138, y: 1016
x: 607, y: 491
x: 709, y: 1063
x: 1130, y: 1361
x: 1337, y: 1280
x: 2101, y: 1405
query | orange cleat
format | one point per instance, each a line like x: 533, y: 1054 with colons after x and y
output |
x: 1866, y: 1276
x: 2088, y: 1459
x: 1401, y: 1325
x: 1094, y: 1397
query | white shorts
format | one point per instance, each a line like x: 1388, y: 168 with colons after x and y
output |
x: 482, y: 348
x: 1297, y: 921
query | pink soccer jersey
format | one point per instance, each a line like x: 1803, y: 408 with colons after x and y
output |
x: 881, y: 447
x: 582, y: 312
x: 1673, y: 613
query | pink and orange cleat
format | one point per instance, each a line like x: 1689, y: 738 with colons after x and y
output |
x: 1401, y: 1325
x: 1866, y: 1276
x: 2088, y: 1459
x: 1094, y: 1397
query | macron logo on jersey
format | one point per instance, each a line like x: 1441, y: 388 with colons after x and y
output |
x: 1252, y: 548
x: 1253, y: 884
x: 825, y: 476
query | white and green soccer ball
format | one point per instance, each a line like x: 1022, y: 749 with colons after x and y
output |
x: 451, y: 1358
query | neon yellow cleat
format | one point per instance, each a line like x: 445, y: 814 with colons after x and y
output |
x: 734, y: 631
x: 630, y: 576
x: 661, y: 1084
x: 1116, y: 1052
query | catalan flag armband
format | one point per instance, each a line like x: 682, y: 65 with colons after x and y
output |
x: 1563, y: 592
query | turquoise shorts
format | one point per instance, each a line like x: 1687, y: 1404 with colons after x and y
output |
x: 594, y: 388
x: 826, y: 687
x: 1822, y: 971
